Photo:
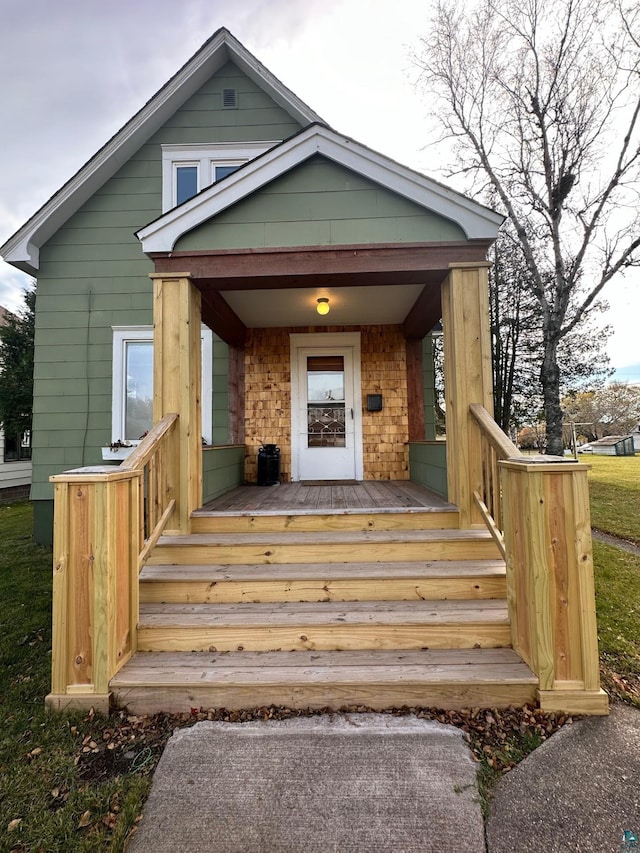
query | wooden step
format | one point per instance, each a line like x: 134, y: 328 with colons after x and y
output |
x: 324, y: 625
x: 334, y: 547
x: 260, y: 521
x: 448, y: 579
x: 451, y: 678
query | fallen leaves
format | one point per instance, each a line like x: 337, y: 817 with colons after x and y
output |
x: 110, y: 821
x: 85, y: 820
x: 626, y: 687
x: 14, y: 824
x: 133, y: 743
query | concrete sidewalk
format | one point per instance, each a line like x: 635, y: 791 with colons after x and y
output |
x: 372, y: 783
x: 580, y: 791
x: 361, y: 783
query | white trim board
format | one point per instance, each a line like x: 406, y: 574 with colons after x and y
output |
x: 477, y: 221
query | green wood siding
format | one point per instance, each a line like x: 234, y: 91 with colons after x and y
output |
x: 93, y: 276
x: 222, y: 470
x: 428, y: 465
x: 320, y: 203
x: 220, y: 391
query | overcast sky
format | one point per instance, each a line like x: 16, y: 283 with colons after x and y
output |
x: 73, y: 71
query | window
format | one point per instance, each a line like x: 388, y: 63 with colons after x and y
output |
x: 187, y: 169
x: 186, y: 179
x: 132, y: 384
x: 17, y: 447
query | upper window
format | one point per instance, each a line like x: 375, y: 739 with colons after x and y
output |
x: 187, y: 169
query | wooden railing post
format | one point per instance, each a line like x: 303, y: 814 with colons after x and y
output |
x: 547, y: 532
x: 106, y: 522
x: 467, y: 380
x: 176, y: 385
x: 95, y: 583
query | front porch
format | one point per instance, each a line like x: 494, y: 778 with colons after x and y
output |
x: 377, y: 606
x: 378, y: 496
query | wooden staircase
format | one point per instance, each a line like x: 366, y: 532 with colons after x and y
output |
x: 324, y: 610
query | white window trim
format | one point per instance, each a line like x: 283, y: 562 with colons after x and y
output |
x: 206, y: 157
x: 123, y: 335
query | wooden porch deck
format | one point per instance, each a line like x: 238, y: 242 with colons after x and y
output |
x: 320, y: 497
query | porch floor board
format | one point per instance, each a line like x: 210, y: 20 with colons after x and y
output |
x: 370, y: 495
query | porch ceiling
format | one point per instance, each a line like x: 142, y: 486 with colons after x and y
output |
x: 366, y: 284
x: 349, y: 305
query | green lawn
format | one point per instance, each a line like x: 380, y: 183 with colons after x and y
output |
x: 614, y: 485
x: 51, y: 797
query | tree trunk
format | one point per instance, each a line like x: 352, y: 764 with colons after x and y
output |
x: 550, y: 380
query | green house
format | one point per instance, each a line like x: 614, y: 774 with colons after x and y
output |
x: 230, y: 279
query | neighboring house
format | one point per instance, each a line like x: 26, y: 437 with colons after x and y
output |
x: 184, y: 276
x: 15, y: 456
x: 614, y: 445
x: 635, y: 435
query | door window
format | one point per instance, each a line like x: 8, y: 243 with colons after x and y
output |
x: 325, y: 401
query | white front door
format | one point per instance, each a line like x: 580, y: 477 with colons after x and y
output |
x: 325, y: 408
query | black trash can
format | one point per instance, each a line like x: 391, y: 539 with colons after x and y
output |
x: 269, y: 465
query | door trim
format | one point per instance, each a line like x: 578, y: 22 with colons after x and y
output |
x: 329, y: 340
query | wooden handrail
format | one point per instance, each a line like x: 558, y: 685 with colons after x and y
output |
x: 500, y: 442
x: 494, y: 447
x: 107, y: 521
x: 551, y: 606
x: 139, y: 457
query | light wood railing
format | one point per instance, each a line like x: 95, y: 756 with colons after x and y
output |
x: 106, y: 521
x: 494, y: 447
x: 155, y: 457
x: 537, y: 509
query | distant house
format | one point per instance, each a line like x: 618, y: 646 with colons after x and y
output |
x: 635, y: 435
x: 614, y: 445
x: 15, y: 455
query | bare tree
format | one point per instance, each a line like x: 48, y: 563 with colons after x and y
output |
x: 517, y: 349
x: 612, y: 410
x: 542, y: 101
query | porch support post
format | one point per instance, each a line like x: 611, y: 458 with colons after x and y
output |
x: 467, y: 379
x: 177, y: 383
x: 415, y: 390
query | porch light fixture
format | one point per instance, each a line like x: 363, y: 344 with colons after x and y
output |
x: 323, y: 306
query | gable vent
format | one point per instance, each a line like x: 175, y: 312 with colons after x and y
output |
x: 230, y: 98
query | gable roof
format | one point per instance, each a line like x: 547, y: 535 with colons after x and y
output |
x: 23, y: 248
x: 477, y: 221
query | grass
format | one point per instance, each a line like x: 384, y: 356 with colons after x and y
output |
x: 614, y: 485
x: 617, y: 577
x: 46, y: 804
